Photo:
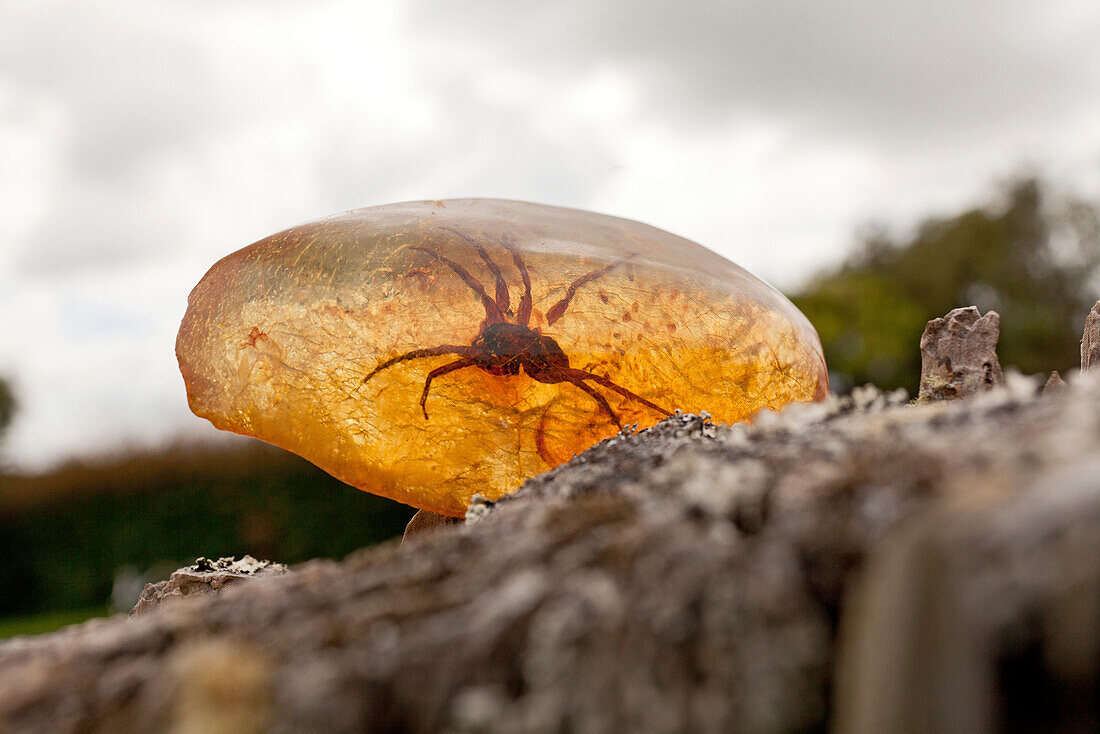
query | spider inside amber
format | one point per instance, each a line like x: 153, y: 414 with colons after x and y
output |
x: 428, y: 351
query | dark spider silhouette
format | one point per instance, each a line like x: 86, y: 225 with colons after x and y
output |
x: 505, y: 343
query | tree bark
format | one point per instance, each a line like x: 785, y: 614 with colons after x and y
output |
x: 687, y: 578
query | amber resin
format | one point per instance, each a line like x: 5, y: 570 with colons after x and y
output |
x: 312, y: 340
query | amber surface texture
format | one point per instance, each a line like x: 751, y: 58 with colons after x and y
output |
x: 296, y: 340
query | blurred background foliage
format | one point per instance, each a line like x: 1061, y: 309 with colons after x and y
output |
x: 7, y: 406
x: 74, y: 538
x: 1032, y: 255
x: 85, y: 534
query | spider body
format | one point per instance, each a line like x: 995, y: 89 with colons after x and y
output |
x: 506, y: 344
x: 505, y: 349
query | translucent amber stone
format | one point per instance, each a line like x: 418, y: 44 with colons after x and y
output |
x: 279, y: 337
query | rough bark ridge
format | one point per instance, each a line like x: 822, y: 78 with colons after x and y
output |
x: 959, y: 355
x: 203, y: 577
x: 1090, y: 340
x: 687, y: 578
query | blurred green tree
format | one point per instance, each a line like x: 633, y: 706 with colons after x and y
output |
x: 7, y: 406
x: 1033, y: 257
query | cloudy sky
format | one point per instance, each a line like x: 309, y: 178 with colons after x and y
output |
x: 142, y: 140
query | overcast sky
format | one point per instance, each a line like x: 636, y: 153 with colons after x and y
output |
x: 140, y: 141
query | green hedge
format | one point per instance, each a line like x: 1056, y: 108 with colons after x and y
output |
x: 64, y: 536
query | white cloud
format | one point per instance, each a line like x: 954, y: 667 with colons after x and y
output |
x: 140, y: 142
x: 882, y: 69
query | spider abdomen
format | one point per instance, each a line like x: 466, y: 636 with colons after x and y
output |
x: 547, y: 362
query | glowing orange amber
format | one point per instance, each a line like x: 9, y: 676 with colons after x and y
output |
x: 542, y: 329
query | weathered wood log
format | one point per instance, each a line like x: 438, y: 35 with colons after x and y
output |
x: 687, y: 578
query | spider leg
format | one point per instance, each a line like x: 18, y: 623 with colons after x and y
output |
x: 604, y: 405
x: 493, y: 312
x: 583, y: 375
x: 540, y: 442
x: 466, y: 351
x: 523, y: 316
x: 558, y: 308
x: 458, y: 364
x: 502, y: 298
